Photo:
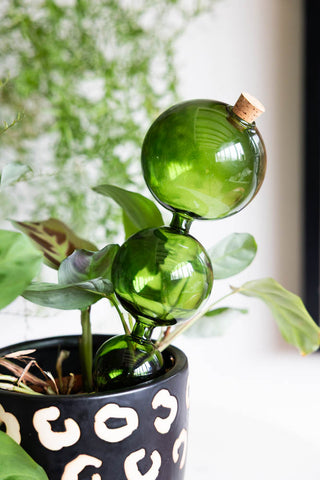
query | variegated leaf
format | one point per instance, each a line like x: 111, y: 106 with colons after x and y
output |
x: 77, y: 296
x: 84, y: 265
x: 54, y: 239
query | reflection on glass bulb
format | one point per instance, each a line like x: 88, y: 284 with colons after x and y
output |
x: 142, y: 279
x: 182, y: 270
x: 175, y: 169
x: 232, y: 152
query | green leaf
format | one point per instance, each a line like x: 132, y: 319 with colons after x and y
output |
x: 54, y: 239
x: 84, y: 265
x: 13, y: 172
x: 15, y: 463
x: 214, y: 323
x: 19, y: 264
x: 290, y: 314
x: 140, y: 212
x: 232, y: 255
x: 77, y: 296
x: 129, y: 227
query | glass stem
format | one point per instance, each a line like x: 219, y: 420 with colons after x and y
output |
x: 142, y: 331
x: 181, y: 223
x: 86, y: 350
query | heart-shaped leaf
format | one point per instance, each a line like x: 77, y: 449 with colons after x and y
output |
x: 140, y: 212
x: 13, y: 172
x: 54, y: 239
x: 215, y: 322
x: 20, y: 262
x: 77, y: 296
x: 288, y: 310
x: 84, y: 265
x: 232, y: 255
x: 15, y: 463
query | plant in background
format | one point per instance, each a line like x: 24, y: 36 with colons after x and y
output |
x: 89, y: 76
x: 20, y: 262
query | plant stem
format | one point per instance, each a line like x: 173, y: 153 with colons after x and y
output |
x: 167, y: 339
x: 86, y: 350
x: 114, y: 302
x: 8, y: 382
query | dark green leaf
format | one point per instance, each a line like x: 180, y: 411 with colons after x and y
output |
x: 15, y: 463
x: 232, y: 254
x: 77, y: 296
x: 84, y: 265
x: 293, y: 320
x: 20, y: 262
x: 215, y: 322
x: 54, y: 239
x: 140, y: 212
x: 13, y: 172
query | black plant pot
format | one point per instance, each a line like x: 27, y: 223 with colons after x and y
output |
x: 128, y: 434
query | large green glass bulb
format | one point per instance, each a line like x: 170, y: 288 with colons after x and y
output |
x: 201, y: 159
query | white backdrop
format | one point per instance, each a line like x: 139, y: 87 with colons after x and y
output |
x: 254, y: 400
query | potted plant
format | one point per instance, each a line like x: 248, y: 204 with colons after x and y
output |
x: 148, y: 421
x: 129, y: 420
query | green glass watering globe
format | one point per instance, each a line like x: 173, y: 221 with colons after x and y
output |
x: 201, y: 159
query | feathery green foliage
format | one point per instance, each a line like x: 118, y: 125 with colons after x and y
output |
x: 89, y: 76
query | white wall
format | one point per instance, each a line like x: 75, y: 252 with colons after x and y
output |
x: 255, y: 410
x: 255, y: 46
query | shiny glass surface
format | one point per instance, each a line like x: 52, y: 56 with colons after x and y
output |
x: 162, y: 275
x: 126, y: 360
x: 201, y: 160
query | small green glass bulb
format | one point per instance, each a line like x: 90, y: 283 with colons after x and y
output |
x: 162, y: 275
x: 202, y: 159
x: 127, y: 360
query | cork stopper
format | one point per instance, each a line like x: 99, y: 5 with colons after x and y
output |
x: 248, y: 108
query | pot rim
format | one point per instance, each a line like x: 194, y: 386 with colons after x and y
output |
x: 180, y: 364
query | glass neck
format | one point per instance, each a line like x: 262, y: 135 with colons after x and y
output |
x: 238, y: 122
x: 142, y: 330
x: 181, y: 223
